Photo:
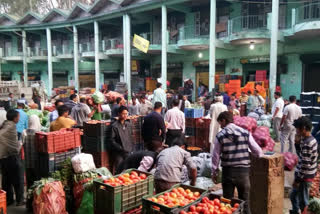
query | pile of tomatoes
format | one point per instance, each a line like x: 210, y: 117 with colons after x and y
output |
x: 126, y: 179
x: 176, y: 197
x: 215, y: 206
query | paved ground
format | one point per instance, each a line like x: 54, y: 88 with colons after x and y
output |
x: 287, y: 203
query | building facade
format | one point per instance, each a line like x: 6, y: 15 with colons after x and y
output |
x: 91, y: 45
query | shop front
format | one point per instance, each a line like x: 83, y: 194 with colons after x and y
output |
x: 87, y: 79
x: 32, y: 75
x: 311, y: 72
x: 60, y: 78
x: 174, y: 74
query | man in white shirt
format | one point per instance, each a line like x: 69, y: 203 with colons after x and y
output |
x: 277, y: 113
x: 176, y: 122
x: 290, y: 113
x: 145, y: 106
x: 159, y: 95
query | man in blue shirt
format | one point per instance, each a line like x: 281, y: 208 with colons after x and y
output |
x: 54, y: 115
x: 23, y: 121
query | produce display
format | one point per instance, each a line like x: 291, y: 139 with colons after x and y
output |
x: 215, y: 206
x: 176, y: 197
x: 247, y: 123
x: 193, y: 148
x: 315, y: 186
x: 125, y: 179
x: 290, y: 160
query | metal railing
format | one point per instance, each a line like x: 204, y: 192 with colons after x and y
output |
x: 86, y: 47
x: 153, y: 37
x: 194, y: 32
x: 61, y: 50
x: 247, y: 23
x: 36, y: 51
x: 308, y: 12
x: 114, y: 43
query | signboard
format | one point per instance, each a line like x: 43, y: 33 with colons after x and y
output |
x: 134, y: 67
x: 261, y: 59
x: 140, y: 43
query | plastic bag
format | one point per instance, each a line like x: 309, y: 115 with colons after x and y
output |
x: 86, y: 206
x: 199, y: 162
x: 202, y: 182
x: 51, y: 199
x: 184, y: 174
x: 98, y: 97
x: 206, y: 165
x: 254, y: 115
x: 83, y: 163
x: 265, y: 123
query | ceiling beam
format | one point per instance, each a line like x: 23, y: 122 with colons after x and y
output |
x: 180, y: 8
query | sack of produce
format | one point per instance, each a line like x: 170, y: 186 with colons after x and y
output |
x: 265, y: 123
x: 202, y: 182
x: 261, y: 135
x: 247, y: 123
x: 207, y: 165
x: 98, y: 97
x: 254, y: 115
x: 83, y: 163
x: 112, y: 96
x: 313, y: 207
x: 49, y: 198
x: 200, y: 164
x: 290, y: 160
x: 270, y: 145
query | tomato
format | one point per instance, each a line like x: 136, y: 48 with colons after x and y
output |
x: 236, y: 205
x: 134, y: 173
x: 183, y: 212
x: 199, y: 209
x: 216, y: 202
x: 205, y: 199
x: 143, y: 176
x: 197, y: 194
x: 192, y: 208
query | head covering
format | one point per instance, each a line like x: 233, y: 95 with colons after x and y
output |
x: 34, y: 123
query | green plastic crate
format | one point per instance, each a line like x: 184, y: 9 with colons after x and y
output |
x: 147, y: 205
x: 114, y: 200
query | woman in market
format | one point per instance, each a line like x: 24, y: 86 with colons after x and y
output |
x: 97, y: 115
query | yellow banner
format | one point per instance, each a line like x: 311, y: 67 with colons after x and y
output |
x: 140, y: 43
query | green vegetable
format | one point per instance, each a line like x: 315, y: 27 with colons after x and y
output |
x: 314, y: 205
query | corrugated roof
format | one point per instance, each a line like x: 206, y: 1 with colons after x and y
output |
x: 28, y: 16
x: 63, y: 13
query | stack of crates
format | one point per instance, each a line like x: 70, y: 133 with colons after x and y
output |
x: 234, y: 86
x: 54, y: 148
x: 310, y: 105
x: 193, y: 112
x: 137, y: 133
x: 202, y: 133
x: 261, y: 75
x: 3, y: 202
x: 95, y: 138
x: 190, y: 131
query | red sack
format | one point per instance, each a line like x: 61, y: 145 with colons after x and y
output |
x: 290, y: 160
x: 247, y: 123
x: 261, y: 136
x: 270, y: 145
x: 78, y: 191
x: 51, y: 200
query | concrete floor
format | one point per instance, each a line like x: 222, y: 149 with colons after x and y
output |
x: 289, y: 176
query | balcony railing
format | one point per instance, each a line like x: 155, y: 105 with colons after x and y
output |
x: 114, y: 43
x: 86, y: 47
x: 247, y: 23
x: 308, y: 12
x: 36, y: 51
x: 153, y: 37
x: 61, y: 50
x: 193, y: 32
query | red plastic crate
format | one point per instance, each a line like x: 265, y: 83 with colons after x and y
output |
x: 3, y: 202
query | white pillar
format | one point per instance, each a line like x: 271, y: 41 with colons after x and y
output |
x: 49, y: 47
x: 127, y: 51
x: 274, y: 48
x: 212, y: 45
x: 25, y: 64
x: 164, y: 47
x: 75, y: 57
x: 96, y: 54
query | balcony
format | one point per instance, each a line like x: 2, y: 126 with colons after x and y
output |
x: 113, y: 47
x: 62, y: 52
x: 12, y: 56
x: 244, y: 28
x: 37, y: 54
x: 193, y: 38
x: 306, y: 20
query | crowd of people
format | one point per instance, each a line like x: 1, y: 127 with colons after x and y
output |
x: 163, y: 131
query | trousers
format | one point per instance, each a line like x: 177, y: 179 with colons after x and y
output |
x: 13, y: 178
x: 276, y: 127
x: 287, y: 137
x: 300, y: 197
x: 236, y: 177
x: 171, y: 135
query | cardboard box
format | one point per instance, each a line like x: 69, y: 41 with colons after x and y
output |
x: 267, y: 184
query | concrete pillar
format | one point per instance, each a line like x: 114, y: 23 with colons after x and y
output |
x: 96, y: 54
x: 49, y: 48
x: 164, y: 46
x: 25, y: 64
x: 274, y: 48
x: 212, y: 44
x: 75, y: 57
x: 293, y: 17
x: 127, y: 52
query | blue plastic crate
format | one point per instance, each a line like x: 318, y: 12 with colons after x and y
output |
x: 193, y: 112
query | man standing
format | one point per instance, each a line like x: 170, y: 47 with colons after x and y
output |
x: 232, y: 146
x: 23, y: 121
x: 63, y: 120
x: 81, y: 112
x: 176, y: 122
x: 254, y: 101
x: 72, y: 102
x: 169, y: 166
x: 11, y: 165
x: 154, y: 129
x: 115, y: 107
x: 290, y: 113
x: 121, y: 138
x: 10, y: 97
x: 214, y: 111
x: 277, y: 113
x: 134, y: 107
x: 159, y: 95
x: 145, y: 106
x: 54, y: 115
x: 23, y: 99
x: 306, y: 168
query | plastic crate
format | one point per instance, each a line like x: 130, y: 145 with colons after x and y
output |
x: 315, y: 118
x: 190, y: 122
x: 94, y: 144
x: 3, y: 202
x: 193, y: 112
x: 53, y: 142
x: 307, y: 98
x: 95, y: 130
x: 316, y: 111
x: 121, y: 198
x: 50, y: 162
x: 307, y: 110
x: 147, y: 205
x: 212, y: 196
x: 190, y: 131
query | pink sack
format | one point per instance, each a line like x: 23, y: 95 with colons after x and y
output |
x: 290, y: 160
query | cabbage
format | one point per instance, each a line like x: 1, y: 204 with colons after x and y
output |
x: 314, y: 205
x: 98, y: 97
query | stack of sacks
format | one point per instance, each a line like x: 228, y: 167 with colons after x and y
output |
x: 247, y: 123
x: 290, y: 160
x: 265, y: 120
x: 262, y: 136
